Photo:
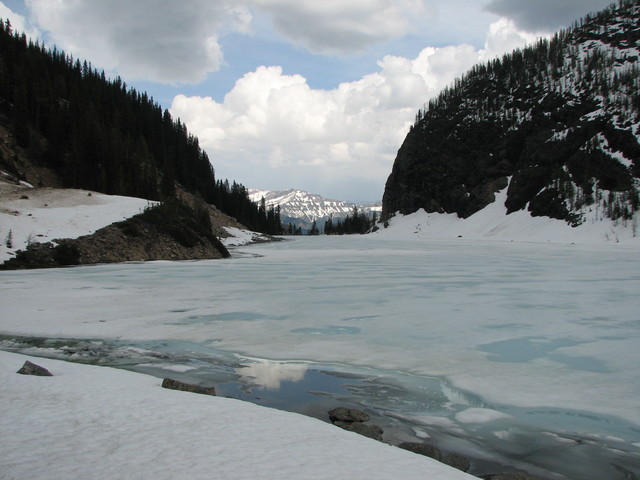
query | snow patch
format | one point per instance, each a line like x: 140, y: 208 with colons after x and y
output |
x: 239, y: 237
x: 492, y: 222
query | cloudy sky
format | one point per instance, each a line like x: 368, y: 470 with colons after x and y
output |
x: 309, y: 94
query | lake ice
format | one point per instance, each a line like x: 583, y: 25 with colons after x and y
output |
x: 525, y: 352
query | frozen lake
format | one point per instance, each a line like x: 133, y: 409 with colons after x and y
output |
x: 526, y: 354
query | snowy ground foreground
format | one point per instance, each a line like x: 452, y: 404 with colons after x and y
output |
x: 99, y: 423
x: 49, y: 213
x: 493, y: 223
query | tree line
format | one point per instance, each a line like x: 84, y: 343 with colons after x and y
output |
x: 356, y: 222
x: 98, y: 134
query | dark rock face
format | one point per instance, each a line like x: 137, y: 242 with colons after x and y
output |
x: 186, y: 387
x: 157, y: 234
x: 30, y: 368
x: 538, y: 117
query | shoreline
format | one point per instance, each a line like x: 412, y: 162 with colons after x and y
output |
x: 90, y: 422
x: 314, y: 389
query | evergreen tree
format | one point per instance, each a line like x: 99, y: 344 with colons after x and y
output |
x: 314, y: 229
x: 98, y: 134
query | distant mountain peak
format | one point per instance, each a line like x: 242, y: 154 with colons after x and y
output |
x: 303, y: 208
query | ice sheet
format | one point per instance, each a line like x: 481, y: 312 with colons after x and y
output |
x: 525, y: 324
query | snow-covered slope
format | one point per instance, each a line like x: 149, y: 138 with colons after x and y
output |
x: 302, y: 208
x: 30, y: 214
x: 102, y: 423
x: 492, y: 222
x: 558, y: 122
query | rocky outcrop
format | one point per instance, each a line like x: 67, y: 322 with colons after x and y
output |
x: 30, y: 368
x: 113, y: 244
x: 171, y: 231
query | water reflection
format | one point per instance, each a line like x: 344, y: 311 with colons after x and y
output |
x: 270, y: 375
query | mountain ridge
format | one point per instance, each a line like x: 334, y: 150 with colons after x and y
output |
x: 302, y: 208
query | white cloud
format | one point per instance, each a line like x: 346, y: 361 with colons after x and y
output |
x: 166, y: 41
x: 174, y: 42
x: 504, y: 36
x: 336, y: 26
x: 18, y: 22
x: 274, y: 131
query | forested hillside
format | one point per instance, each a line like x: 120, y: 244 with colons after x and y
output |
x: 96, y: 133
x: 558, y: 123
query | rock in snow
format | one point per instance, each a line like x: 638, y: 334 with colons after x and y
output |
x: 349, y: 415
x: 187, y: 387
x: 30, y: 368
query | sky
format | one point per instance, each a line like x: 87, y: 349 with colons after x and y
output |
x: 312, y: 95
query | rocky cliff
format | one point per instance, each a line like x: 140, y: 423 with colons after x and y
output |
x: 558, y: 123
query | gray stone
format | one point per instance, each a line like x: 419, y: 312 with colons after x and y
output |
x: 457, y: 461
x: 348, y: 415
x: 422, y: 449
x: 186, y: 387
x: 32, y: 369
x: 371, y: 431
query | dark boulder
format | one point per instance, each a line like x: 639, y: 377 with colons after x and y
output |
x: 186, y: 387
x: 348, y: 415
x: 353, y: 421
x: 32, y: 369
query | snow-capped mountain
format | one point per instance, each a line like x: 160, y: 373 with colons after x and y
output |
x: 556, y: 126
x: 303, y: 208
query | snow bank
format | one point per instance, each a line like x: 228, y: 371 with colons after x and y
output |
x: 492, y: 222
x: 97, y: 422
